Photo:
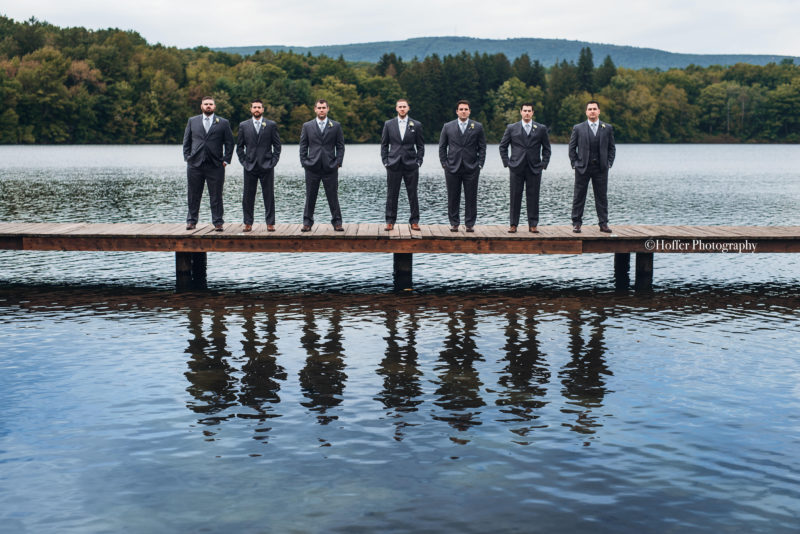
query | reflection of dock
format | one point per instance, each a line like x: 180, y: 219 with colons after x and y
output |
x: 191, y: 246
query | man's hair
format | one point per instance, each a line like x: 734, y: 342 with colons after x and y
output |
x: 256, y: 101
x: 593, y: 102
x: 321, y: 101
x: 529, y: 104
x: 206, y: 98
x: 402, y: 100
x: 462, y: 101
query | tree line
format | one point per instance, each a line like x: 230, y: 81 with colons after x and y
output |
x: 73, y: 85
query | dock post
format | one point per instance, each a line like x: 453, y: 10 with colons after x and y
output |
x: 199, y: 264
x: 644, y: 271
x: 622, y: 270
x: 403, y: 263
x: 190, y: 270
x: 183, y: 271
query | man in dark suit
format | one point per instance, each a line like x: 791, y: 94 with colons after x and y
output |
x: 207, y: 149
x: 591, y: 153
x: 321, y: 155
x: 530, y: 154
x: 402, y: 150
x: 462, y: 151
x: 258, y: 146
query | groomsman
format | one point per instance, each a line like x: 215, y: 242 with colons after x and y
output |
x: 462, y: 152
x: 530, y: 154
x: 258, y: 146
x: 591, y: 153
x: 402, y: 150
x: 321, y: 155
x: 207, y: 149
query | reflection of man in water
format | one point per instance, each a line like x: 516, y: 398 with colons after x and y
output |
x: 209, y: 375
x: 582, y: 378
x: 322, y: 379
x: 525, y: 375
x: 401, y: 385
x: 459, y: 383
x: 259, y: 385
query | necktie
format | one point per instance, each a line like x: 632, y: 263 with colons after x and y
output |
x: 402, y: 125
x: 463, y: 126
x: 594, y: 128
x: 207, y: 123
x: 321, y: 127
x: 257, y: 125
x: 527, y: 128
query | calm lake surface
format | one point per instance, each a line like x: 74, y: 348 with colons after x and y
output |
x: 300, y: 394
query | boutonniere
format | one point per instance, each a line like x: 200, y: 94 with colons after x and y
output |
x: 216, y: 120
x: 330, y: 124
x: 602, y: 125
x: 472, y: 126
x: 534, y: 126
x: 411, y: 123
x: 263, y: 123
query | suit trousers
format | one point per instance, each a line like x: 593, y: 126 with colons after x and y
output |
x: 469, y: 181
x: 251, y: 179
x: 599, y: 179
x: 393, y: 181
x: 196, y: 179
x: 330, y: 181
x: 524, y: 179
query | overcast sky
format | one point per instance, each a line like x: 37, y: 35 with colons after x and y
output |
x: 692, y: 26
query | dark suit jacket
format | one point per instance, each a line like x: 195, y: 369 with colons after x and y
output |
x: 258, y: 151
x: 462, y: 152
x: 318, y: 152
x: 527, y: 150
x: 213, y: 147
x: 402, y: 154
x: 579, y: 145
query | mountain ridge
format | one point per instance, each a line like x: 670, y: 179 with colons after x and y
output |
x: 547, y: 51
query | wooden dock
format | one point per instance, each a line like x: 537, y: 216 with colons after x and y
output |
x: 191, y: 246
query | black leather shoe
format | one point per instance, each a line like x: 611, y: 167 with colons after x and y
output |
x: 576, y: 228
x: 604, y: 228
x: 217, y: 227
x: 338, y: 228
x: 470, y: 229
x: 191, y: 226
x: 454, y: 228
x: 512, y: 229
x: 305, y: 228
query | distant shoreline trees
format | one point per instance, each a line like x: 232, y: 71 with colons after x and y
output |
x: 77, y: 86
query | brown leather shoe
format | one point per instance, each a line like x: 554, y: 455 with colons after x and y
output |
x: 270, y: 228
x: 576, y: 228
x: 533, y: 230
x: 339, y: 228
x: 454, y: 228
x: 191, y: 226
x: 512, y: 229
x: 605, y: 229
x: 389, y: 227
x: 217, y: 227
x: 470, y: 229
x: 415, y: 227
x: 248, y: 228
x: 305, y: 228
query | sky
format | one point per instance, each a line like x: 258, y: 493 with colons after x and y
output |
x: 688, y: 26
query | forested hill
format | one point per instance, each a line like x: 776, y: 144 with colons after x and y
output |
x: 548, y: 51
x: 74, y: 85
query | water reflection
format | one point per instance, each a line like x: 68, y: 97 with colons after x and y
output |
x: 584, y: 386
x: 322, y: 379
x: 525, y: 373
x: 459, y: 384
x: 260, y: 383
x: 210, y: 374
x: 402, y: 390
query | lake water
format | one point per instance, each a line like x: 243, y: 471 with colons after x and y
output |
x: 300, y: 394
